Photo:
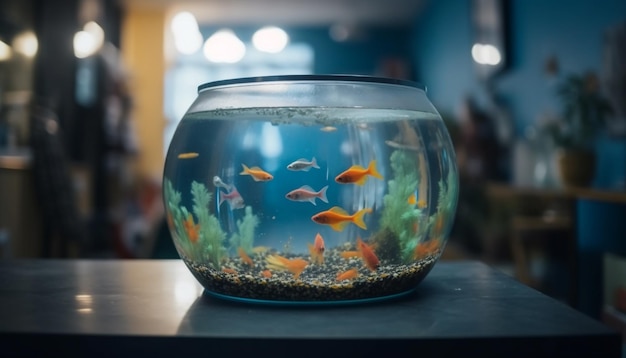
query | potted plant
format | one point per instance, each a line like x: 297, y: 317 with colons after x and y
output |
x: 584, y: 114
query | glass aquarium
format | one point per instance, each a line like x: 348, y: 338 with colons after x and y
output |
x: 310, y: 189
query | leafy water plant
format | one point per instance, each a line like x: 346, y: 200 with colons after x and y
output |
x: 244, y: 237
x: 211, y: 235
x: 400, y: 217
x: 176, y: 215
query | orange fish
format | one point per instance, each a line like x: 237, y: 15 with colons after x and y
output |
x: 317, y: 250
x: 350, y: 254
x: 412, y: 200
x: 358, y: 175
x: 256, y: 173
x: 191, y: 229
x: 229, y: 270
x: 280, y: 263
x: 189, y: 155
x: 338, y: 218
x: 347, y: 275
x: 426, y: 248
x: 367, y: 254
x: 266, y: 273
x: 244, y: 257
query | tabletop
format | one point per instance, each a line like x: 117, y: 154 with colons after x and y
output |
x: 155, y: 307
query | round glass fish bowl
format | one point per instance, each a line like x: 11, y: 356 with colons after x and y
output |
x: 310, y: 189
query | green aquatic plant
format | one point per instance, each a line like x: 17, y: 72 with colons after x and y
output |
x: 211, y: 235
x: 176, y: 215
x: 244, y: 237
x: 399, y: 216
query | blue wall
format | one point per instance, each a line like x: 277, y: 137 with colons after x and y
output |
x: 572, y: 31
x: 537, y: 30
x: 362, y: 56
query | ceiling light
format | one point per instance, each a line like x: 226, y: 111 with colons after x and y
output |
x: 270, y: 39
x: 84, y: 44
x: 183, y: 22
x: 5, y: 51
x: 486, y: 54
x: 224, y: 47
x: 26, y: 44
x: 187, y: 36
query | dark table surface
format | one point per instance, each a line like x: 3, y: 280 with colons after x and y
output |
x: 156, y: 308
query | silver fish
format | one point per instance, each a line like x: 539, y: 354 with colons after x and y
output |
x: 303, y: 165
x: 306, y: 193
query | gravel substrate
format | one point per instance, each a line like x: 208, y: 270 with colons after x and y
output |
x: 316, y: 283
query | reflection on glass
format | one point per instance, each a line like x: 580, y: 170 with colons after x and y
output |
x: 84, y: 303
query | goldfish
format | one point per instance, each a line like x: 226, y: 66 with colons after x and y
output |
x: 317, y: 250
x: 412, y: 200
x: 229, y: 270
x: 191, y: 229
x: 306, y: 193
x: 347, y: 275
x: 338, y: 218
x: 367, y: 254
x: 303, y: 165
x: 234, y: 199
x: 280, y: 263
x: 189, y: 155
x: 358, y: 175
x: 217, y: 181
x: 256, y: 173
x: 426, y: 248
x: 244, y: 256
x: 266, y: 273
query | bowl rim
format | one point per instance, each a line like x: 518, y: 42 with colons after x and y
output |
x: 312, y: 79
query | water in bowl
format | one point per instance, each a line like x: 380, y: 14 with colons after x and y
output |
x: 310, y: 205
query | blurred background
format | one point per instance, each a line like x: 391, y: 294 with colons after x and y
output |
x: 533, y: 94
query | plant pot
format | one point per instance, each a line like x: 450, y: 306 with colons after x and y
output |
x: 576, y: 167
